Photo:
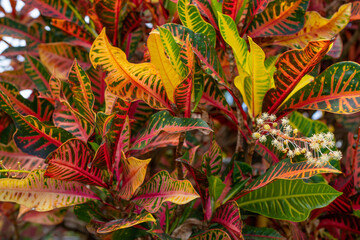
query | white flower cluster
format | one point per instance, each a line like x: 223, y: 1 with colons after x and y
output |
x: 285, y: 139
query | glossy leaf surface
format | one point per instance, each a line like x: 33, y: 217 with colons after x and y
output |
x: 288, y: 199
x: 162, y: 188
x: 43, y: 194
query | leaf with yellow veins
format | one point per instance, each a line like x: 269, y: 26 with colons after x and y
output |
x: 316, y: 28
x: 44, y: 194
x: 133, y: 172
x: 126, y: 80
x: 256, y: 81
x: 169, y: 77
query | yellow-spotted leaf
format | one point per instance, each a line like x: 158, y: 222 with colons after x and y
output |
x: 231, y: 36
x: 279, y: 18
x: 72, y: 161
x: 173, y: 51
x: 162, y: 188
x: 50, y: 218
x: 316, y: 28
x: 355, y: 11
x: 59, y: 57
x: 254, y: 84
x: 191, y: 18
x: 335, y: 90
x: 13, y: 158
x: 133, y: 175
x: 83, y: 96
x: 127, y: 80
x: 214, y: 234
x: 291, y: 67
x: 43, y: 194
x: 125, y: 223
x: 169, y: 77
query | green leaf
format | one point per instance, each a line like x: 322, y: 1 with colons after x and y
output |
x: 201, y: 46
x: 213, y: 234
x: 231, y: 36
x: 38, y: 74
x: 191, y: 18
x: 216, y: 186
x: 335, y: 90
x: 256, y: 233
x: 305, y: 125
x: 290, y: 200
x: 212, y: 159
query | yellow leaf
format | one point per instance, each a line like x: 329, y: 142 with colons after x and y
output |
x: 169, y: 77
x: 134, y: 171
x: 254, y: 84
x: 43, y: 194
x: 316, y: 28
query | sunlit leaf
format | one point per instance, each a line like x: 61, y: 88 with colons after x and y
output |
x: 43, y: 194
x: 288, y: 199
x: 334, y: 90
x: 129, y: 81
x: 162, y: 188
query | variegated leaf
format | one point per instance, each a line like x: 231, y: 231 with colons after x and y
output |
x: 50, y: 218
x: 17, y: 77
x: 38, y: 107
x: 169, y: 77
x: 212, y: 159
x: 125, y: 223
x: 316, y: 28
x: 33, y: 136
x: 279, y: 18
x: 108, y: 13
x: 83, y: 97
x: 55, y: 9
x: 38, y: 74
x: 59, y: 57
x: 43, y: 194
x: 228, y: 215
x: 133, y: 175
x: 72, y: 161
x: 335, y: 90
x: 163, y: 121
x: 285, y: 169
x: 191, y: 18
x: 255, y: 81
x: 13, y: 158
x: 201, y: 46
x: 291, y: 68
x: 129, y: 81
x: 214, y: 234
x: 73, y: 30
x: 355, y: 11
x: 162, y: 188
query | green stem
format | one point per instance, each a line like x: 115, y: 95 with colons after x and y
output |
x: 81, y: 19
x: 13, y: 171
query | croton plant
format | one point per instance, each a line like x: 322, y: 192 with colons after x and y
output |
x: 181, y: 119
